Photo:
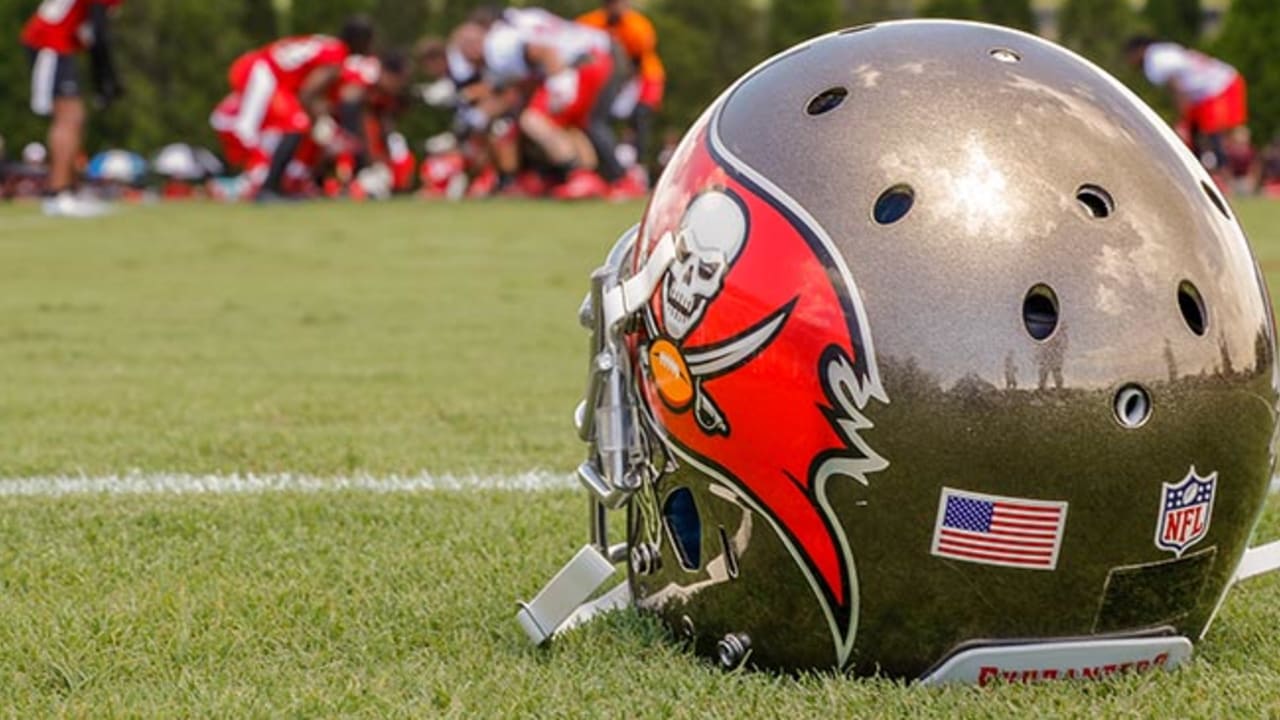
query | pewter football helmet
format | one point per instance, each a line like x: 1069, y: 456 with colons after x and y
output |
x: 934, y: 355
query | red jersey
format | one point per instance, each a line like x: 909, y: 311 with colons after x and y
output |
x: 360, y: 71
x: 364, y: 72
x: 56, y: 25
x: 292, y: 59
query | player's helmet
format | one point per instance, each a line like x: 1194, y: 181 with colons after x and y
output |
x: 936, y: 355
x: 357, y: 34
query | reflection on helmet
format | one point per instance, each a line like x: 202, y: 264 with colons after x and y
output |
x: 955, y: 363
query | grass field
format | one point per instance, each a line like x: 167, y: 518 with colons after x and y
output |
x: 383, y: 340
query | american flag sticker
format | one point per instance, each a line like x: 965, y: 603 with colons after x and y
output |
x: 996, y: 530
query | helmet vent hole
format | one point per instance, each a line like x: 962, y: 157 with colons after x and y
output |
x: 1132, y: 406
x: 894, y: 204
x: 1040, y: 312
x: 1095, y: 201
x: 858, y: 28
x: 1005, y: 55
x: 685, y: 527
x: 826, y: 101
x: 1216, y: 199
x: 1191, y: 304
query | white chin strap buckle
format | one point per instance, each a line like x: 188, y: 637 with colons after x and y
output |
x: 562, y: 605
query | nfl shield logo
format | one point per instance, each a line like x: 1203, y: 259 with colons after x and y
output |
x: 1185, y: 510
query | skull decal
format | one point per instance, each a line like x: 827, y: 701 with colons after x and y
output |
x: 711, y: 235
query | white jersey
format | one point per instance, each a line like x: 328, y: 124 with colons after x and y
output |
x: 1196, y: 75
x: 504, y: 45
x: 460, y: 70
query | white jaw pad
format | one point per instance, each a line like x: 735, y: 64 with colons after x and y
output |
x: 1068, y: 660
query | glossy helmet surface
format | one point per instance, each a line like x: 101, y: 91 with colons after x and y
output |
x: 950, y: 345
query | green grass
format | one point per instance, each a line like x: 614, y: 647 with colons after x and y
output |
x: 383, y: 339
x: 318, y: 339
x: 402, y: 606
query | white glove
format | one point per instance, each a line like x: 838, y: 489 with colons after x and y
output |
x: 562, y: 89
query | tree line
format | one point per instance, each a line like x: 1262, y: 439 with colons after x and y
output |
x: 174, y: 54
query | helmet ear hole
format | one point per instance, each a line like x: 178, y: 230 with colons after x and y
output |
x: 685, y: 527
x: 1040, y: 312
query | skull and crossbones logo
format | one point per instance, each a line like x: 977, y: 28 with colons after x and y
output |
x: 711, y: 236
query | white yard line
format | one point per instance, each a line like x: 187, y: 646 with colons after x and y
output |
x: 140, y: 483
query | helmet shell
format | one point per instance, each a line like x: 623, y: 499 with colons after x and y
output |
x: 931, y: 269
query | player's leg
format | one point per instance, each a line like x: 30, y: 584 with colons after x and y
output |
x: 600, y: 132
x: 259, y: 88
x: 644, y: 116
x: 287, y: 115
x: 642, y: 123
x: 553, y: 145
x: 554, y: 141
x: 575, y: 177
x: 273, y: 185
x: 601, y: 80
x: 55, y: 93
x: 65, y: 133
x: 642, y: 126
x: 598, y: 85
x: 504, y: 151
x: 250, y: 160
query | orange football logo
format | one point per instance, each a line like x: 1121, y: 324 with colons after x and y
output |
x: 671, y: 374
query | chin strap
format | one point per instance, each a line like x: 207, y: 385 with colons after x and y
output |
x: 615, y: 466
x: 629, y: 296
x: 1258, y: 561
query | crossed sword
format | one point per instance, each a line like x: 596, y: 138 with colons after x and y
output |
x: 710, y: 361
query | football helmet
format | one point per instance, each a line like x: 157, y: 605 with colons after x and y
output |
x: 934, y: 355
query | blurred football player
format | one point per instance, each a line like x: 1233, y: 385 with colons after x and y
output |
x: 574, y: 80
x: 484, y: 121
x: 366, y: 99
x: 280, y: 94
x: 55, y: 34
x: 1210, y: 93
x: 640, y: 98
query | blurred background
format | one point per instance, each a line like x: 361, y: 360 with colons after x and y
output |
x: 173, y: 54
